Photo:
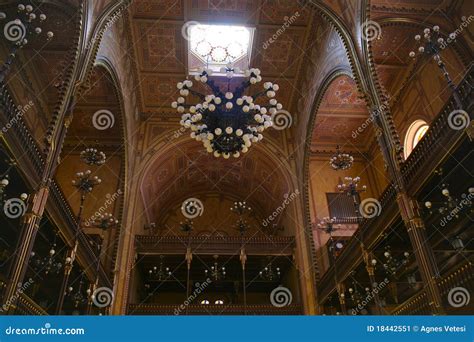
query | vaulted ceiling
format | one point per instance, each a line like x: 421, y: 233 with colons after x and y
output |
x: 161, y: 49
x: 341, y: 112
x: 187, y: 170
x: 299, y: 59
x: 161, y: 61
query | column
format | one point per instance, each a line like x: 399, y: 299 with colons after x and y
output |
x: 32, y: 218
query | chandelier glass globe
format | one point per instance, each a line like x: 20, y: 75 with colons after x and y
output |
x: 227, y: 122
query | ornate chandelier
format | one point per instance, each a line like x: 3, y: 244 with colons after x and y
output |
x: 227, y: 122
x: 341, y: 160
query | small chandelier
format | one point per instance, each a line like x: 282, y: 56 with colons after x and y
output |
x: 92, y: 156
x: 355, y: 292
x: 269, y: 273
x: 104, y: 221
x: 161, y: 272
x: 241, y: 208
x: 49, y: 264
x: 78, y: 297
x: 328, y: 225
x: 393, y: 265
x: 85, y: 183
x: 452, y: 205
x: 341, y: 160
x: 351, y: 188
x: 216, y: 272
x: 227, y: 122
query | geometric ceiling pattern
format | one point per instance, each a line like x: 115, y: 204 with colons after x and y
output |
x: 161, y: 53
x: 169, y: 180
x: 161, y: 47
x: 341, y: 112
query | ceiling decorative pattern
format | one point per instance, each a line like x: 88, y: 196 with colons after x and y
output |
x: 161, y: 48
x: 341, y: 112
x: 253, y: 178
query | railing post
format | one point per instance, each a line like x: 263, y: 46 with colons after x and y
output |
x: 387, y: 137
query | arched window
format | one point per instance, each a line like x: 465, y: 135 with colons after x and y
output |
x: 415, y: 132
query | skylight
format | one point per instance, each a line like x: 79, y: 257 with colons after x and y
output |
x: 214, y: 46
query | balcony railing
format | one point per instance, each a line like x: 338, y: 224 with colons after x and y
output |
x: 232, y: 309
x: 368, y: 232
x: 230, y: 245
x: 439, y: 137
x: 34, y: 162
x: 418, y: 304
x: 27, y: 306
x: 427, y: 154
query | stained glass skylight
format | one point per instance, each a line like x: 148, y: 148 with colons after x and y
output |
x: 214, y: 46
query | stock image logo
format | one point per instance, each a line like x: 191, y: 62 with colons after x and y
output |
x: 14, y: 208
x: 458, y: 119
x: 102, y: 297
x: 281, y: 119
x: 371, y: 30
x: 14, y: 31
x: 281, y: 296
x: 192, y: 208
x: 185, y: 30
x: 370, y: 207
x: 459, y: 297
x: 103, y: 119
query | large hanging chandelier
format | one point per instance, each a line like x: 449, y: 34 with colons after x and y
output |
x: 227, y: 122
